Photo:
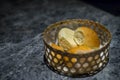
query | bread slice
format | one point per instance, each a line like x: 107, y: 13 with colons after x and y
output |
x: 56, y: 47
x: 88, y: 37
x: 79, y: 50
x: 65, y: 38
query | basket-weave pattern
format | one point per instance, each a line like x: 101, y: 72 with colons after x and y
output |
x: 76, y: 65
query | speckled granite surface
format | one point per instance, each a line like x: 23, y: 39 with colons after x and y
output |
x: 21, y: 46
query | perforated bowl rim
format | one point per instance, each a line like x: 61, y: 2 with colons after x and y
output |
x: 69, y: 20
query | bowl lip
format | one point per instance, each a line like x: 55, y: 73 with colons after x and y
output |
x: 85, y: 53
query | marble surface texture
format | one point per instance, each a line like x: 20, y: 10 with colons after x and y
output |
x: 21, y: 46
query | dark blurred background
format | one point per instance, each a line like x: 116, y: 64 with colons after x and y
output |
x: 111, y: 6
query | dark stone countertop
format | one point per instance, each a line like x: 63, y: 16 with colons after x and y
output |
x: 21, y: 46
